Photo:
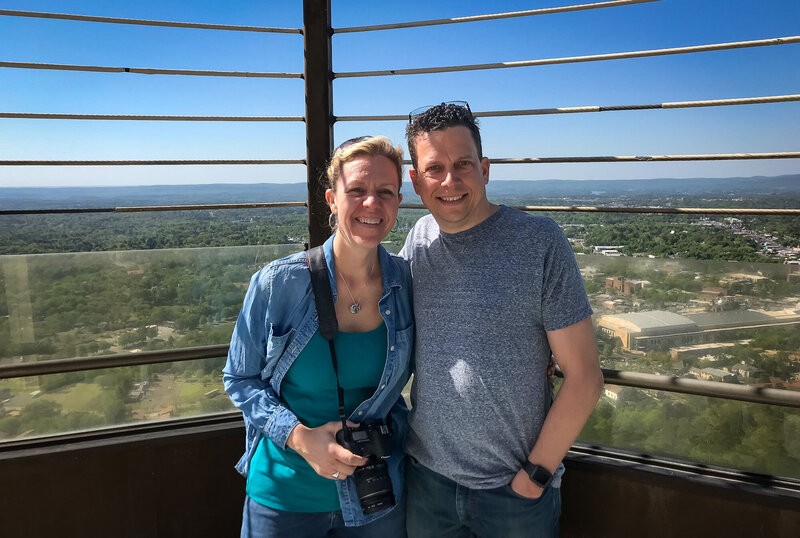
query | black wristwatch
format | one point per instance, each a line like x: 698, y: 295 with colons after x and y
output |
x: 538, y: 474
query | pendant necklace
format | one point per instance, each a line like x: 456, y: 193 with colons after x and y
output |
x: 355, y: 308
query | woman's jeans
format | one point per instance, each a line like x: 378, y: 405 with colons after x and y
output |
x: 259, y: 521
x: 440, y: 508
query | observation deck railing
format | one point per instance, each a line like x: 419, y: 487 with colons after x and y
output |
x: 681, y: 385
x: 312, y: 11
x: 319, y: 119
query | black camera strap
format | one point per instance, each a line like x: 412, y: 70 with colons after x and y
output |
x: 326, y: 313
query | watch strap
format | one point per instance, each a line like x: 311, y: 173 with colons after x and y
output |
x: 538, y: 474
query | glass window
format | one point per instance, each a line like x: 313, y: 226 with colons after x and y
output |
x: 85, y: 304
x: 727, y: 433
x: 74, y: 401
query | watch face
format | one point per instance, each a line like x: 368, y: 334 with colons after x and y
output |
x: 541, y: 476
x: 538, y: 474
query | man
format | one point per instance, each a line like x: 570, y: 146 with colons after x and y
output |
x: 495, y: 292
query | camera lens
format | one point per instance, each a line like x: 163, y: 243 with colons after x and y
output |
x: 373, y: 485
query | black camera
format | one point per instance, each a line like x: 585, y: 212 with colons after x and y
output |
x: 372, y: 440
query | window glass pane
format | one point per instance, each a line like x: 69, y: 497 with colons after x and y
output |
x: 60, y: 403
x: 95, y: 303
x: 731, y: 322
x: 727, y: 433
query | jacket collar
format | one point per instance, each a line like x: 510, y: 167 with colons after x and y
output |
x: 389, y: 272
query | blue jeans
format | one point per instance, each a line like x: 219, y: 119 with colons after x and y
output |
x: 440, y: 508
x: 259, y: 521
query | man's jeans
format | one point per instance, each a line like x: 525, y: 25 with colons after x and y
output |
x: 440, y: 508
x: 259, y: 521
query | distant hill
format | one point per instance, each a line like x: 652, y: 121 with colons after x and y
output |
x: 94, y: 197
x: 222, y: 193
x: 735, y: 186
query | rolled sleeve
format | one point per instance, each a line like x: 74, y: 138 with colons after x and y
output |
x: 280, y: 424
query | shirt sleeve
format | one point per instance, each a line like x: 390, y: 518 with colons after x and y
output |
x: 247, y: 359
x: 564, y: 300
x: 406, y: 251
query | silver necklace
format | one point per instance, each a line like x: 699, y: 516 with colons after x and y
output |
x: 355, y: 308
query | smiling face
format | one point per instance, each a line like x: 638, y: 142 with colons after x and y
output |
x: 451, y: 178
x: 365, y: 201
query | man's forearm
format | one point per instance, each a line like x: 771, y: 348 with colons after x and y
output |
x: 572, y: 406
x: 574, y: 349
x: 574, y: 403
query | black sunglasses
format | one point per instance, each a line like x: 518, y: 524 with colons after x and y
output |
x: 423, y: 109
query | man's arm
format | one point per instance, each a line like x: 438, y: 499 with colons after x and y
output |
x: 576, y: 354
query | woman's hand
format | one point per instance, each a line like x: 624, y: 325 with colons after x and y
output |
x: 319, y: 448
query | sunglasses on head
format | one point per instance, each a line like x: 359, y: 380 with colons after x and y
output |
x: 423, y: 109
x: 347, y: 143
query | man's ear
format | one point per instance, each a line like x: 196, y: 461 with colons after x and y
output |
x: 485, y: 169
x: 412, y: 173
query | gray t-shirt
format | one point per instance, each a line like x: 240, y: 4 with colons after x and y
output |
x: 483, y: 299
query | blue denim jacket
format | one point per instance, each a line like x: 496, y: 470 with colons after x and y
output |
x: 277, y: 320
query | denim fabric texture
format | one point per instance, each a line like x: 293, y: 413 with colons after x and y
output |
x: 277, y: 320
x: 441, y: 508
x: 259, y: 521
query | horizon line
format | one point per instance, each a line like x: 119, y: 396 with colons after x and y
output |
x: 106, y: 186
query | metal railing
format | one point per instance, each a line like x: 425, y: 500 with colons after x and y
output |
x: 153, y: 208
x: 518, y: 160
x: 489, y: 17
x: 149, y: 70
x: 318, y: 76
x: 142, y: 117
x: 529, y: 208
x: 596, y: 108
x: 676, y: 384
x: 574, y: 59
x: 143, y: 22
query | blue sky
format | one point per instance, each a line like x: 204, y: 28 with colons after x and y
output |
x: 668, y: 23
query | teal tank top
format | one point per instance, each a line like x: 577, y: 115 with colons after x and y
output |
x: 281, y: 478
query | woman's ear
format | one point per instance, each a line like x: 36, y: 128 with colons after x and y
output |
x: 330, y: 197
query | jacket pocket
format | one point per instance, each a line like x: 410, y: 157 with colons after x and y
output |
x: 276, y: 345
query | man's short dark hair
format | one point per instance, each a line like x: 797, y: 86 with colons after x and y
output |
x: 441, y: 117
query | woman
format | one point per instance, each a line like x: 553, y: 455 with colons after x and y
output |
x: 279, y: 370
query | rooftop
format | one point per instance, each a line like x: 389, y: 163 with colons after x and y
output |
x: 708, y: 320
x: 654, y: 319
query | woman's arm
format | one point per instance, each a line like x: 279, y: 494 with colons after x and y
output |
x: 242, y: 375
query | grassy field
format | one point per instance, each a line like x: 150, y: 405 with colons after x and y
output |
x: 77, y: 397
x: 168, y: 395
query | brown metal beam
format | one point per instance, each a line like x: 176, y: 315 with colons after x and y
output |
x: 318, y: 74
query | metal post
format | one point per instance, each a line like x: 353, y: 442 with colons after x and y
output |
x: 319, y: 111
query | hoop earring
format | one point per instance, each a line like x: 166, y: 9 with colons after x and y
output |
x: 396, y: 225
x: 333, y: 221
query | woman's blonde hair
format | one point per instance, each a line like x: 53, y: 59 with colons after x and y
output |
x: 364, y: 146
